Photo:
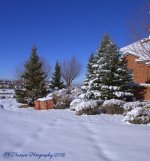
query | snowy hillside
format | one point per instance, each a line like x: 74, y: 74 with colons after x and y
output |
x: 77, y: 138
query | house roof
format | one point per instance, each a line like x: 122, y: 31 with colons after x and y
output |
x: 140, y: 49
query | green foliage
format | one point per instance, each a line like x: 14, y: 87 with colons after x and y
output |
x: 34, y: 78
x: 115, y: 78
x: 109, y: 77
x: 20, y: 96
x: 90, y: 65
x: 56, y: 82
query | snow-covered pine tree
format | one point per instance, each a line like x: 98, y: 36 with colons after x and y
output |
x: 115, y: 81
x: 56, y: 82
x: 110, y: 75
x: 34, y: 78
x: 93, y: 77
x: 90, y: 73
x: 94, y: 90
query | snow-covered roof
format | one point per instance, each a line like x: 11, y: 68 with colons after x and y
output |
x: 140, y: 49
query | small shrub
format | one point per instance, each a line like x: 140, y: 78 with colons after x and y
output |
x: 61, y: 105
x: 62, y: 98
x: 131, y: 105
x: 63, y: 102
x: 113, y: 106
x: 147, y: 106
x: 76, y: 91
x: 139, y: 115
x: 88, y: 111
x: 74, y: 103
x: 88, y: 107
x: 56, y: 97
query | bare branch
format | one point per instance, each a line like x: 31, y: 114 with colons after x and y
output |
x: 18, y: 72
x: 70, y: 70
x: 140, y: 27
x: 46, y: 68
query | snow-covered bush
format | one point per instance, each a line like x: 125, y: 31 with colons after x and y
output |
x: 113, y: 106
x: 64, y: 101
x: 131, y: 105
x: 74, y: 103
x: 93, y: 94
x: 138, y: 115
x: 62, y: 98
x: 88, y: 107
x: 76, y: 91
x: 82, y: 96
x: 147, y: 105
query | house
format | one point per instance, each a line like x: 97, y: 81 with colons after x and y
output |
x: 137, y: 56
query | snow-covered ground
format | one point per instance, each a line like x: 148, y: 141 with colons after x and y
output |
x: 6, y: 93
x: 77, y: 138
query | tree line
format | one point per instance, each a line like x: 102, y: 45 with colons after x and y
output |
x: 107, y: 75
x: 34, y: 73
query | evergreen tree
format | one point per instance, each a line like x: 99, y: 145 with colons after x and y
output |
x: 34, y: 78
x: 90, y: 73
x: 95, y: 82
x: 112, y: 79
x: 56, y: 82
x: 115, y: 79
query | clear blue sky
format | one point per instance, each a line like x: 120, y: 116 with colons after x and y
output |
x: 59, y: 29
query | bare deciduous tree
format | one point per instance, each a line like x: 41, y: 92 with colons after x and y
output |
x: 140, y: 27
x: 70, y: 70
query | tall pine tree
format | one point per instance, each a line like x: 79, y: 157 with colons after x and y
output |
x: 56, y: 82
x: 112, y: 79
x: 115, y: 79
x: 34, y: 78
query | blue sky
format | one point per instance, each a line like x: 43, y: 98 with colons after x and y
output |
x: 59, y: 29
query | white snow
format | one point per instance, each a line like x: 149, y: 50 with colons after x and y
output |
x: 95, y: 66
x: 113, y: 102
x: 145, y: 84
x: 79, y: 105
x: 9, y: 104
x: 139, y: 49
x: 82, y: 96
x: 7, y: 93
x: 110, y: 87
x: 44, y: 99
x: 119, y: 94
x: 138, y: 113
x: 81, y: 138
x: 131, y: 105
x: 74, y: 103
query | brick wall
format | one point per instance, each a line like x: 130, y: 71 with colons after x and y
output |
x: 146, y: 94
x: 141, y: 74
